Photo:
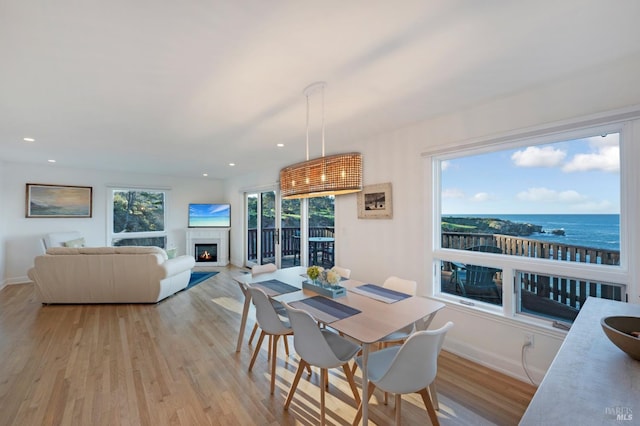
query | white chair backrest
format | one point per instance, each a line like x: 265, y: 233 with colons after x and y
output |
x: 263, y: 269
x: 416, y: 363
x: 265, y: 313
x: 343, y: 272
x: 309, y: 340
x: 401, y: 285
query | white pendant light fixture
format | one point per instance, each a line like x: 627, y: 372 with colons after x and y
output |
x: 331, y: 175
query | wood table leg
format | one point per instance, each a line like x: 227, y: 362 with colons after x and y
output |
x: 243, y: 321
x: 365, y: 385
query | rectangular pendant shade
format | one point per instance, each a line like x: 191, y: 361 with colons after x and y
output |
x: 331, y: 175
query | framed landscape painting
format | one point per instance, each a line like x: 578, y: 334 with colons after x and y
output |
x: 374, y: 202
x: 58, y: 200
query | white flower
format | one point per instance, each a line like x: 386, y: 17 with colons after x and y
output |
x: 333, y: 277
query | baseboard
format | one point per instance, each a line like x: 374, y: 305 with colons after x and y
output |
x: 493, y: 361
x: 15, y: 280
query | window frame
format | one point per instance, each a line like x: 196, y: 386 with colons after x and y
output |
x: 111, y: 235
x: 511, y: 265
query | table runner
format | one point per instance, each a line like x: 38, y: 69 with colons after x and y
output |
x: 275, y: 287
x: 380, y: 293
x: 325, y: 310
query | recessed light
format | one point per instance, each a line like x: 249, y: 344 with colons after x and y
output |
x: 232, y: 164
x: 51, y: 161
x: 280, y: 145
x: 28, y: 139
x: 205, y: 174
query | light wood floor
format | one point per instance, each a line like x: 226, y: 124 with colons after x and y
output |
x: 174, y: 363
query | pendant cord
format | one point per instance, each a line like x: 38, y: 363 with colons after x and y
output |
x: 323, y: 120
x: 307, y: 127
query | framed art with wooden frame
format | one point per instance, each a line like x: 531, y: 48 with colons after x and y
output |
x: 374, y: 202
x: 43, y: 200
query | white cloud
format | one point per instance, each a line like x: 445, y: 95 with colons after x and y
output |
x: 452, y: 193
x: 444, y: 165
x: 481, y: 197
x: 534, y: 156
x: 606, y: 158
x: 550, y: 195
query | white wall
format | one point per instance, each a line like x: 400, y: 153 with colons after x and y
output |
x: 20, y: 236
x: 2, y: 226
x: 375, y: 249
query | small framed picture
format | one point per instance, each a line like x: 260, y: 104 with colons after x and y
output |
x: 44, y: 200
x: 374, y: 202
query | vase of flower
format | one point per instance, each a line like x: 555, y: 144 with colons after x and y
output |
x: 324, y: 282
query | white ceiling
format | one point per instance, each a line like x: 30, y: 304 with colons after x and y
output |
x: 186, y: 87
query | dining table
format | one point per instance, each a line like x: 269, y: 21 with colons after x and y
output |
x: 370, y: 316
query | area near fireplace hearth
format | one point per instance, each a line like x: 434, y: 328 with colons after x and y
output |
x: 209, y: 247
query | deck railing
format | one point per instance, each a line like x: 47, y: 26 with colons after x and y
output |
x: 288, y: 241
x: 567, y: 291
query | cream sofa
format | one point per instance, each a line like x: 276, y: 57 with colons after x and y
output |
x: 108, y: 274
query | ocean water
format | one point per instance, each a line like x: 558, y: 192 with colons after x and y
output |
x: 589, y: 230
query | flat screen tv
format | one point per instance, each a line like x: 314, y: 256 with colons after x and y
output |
x: 209, y: 215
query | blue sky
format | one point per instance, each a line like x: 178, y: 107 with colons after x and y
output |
x: 572, y: 177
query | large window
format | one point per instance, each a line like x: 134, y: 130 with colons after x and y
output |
x: 137, y: 218
x: 533, y: 227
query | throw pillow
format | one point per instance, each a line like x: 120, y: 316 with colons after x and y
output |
x: 78, y: 242
x: 171, y: 252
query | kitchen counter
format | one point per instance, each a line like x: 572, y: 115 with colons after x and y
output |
x: 590, y: 381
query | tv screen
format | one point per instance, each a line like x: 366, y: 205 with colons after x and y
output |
x: 209, y: 215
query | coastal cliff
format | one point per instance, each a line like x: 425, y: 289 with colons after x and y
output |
x: 479, y: 225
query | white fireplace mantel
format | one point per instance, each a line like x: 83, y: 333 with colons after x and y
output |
x: 219, y: 236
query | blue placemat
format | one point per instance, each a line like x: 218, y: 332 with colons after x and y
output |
x: 380, y: 293
x: 275, y: 287
x: 325, y: 310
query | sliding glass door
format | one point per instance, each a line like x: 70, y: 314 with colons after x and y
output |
x: 262, y: 234
x: 289, y: 232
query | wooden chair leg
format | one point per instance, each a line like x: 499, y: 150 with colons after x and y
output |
x: 433, y: 392
x: 256, y: 350
x: 301, y: 366
x: 286, y: 345
x: 352, y: 383
x: 253, y: 333
x: 398, y: 404
x: 269, y: 351
x: 427, y: 402
x: 326, y: 383
x: 358, y: 417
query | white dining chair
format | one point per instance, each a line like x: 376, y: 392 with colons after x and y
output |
x: 264, y: 269
x: 319, y: 348
x: 343, y: 272
x: 271, y: 326
x: 403, y: 286
x: 408, y: 368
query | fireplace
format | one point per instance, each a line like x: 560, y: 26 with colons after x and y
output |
x: 206, y: 252
x: 214, y: 241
